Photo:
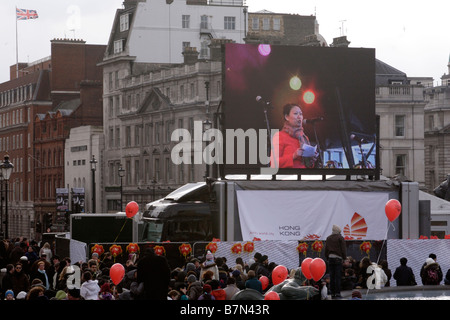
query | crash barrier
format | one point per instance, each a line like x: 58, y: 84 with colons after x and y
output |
x: 287, y: 253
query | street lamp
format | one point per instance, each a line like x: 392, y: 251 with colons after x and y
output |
x: 121, y: 172
x: 93, y: 168
x: 6, y: 168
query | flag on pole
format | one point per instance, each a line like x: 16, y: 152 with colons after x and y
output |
x: 25, y: 14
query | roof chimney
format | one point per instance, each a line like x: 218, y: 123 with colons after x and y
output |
x: 340, y: 42
x: 190, y: 55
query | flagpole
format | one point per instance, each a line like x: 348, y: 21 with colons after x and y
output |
x: 17, y: 50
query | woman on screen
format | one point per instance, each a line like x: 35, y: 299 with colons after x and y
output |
x: 291, y: 147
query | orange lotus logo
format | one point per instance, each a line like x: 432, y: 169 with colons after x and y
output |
x: 357, y: 229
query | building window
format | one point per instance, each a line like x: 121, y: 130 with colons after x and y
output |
x: 137, y: 171
x: 118, y: 46
x: 204, y: 49
x: 276, y: 24
x: 185, y: 21
x: 255, y: 23
x: 400, y: 164
x: 204, y: 22
x: 399, y: 125
x: 156, y: 169
x: 266, y: 24
x: 128, y: 172
x: 128, y: 136
x: 431, y: 122
x: 229, y: 23
x: 137, y: 136
x: 157, y: 132
x: 124, y: 22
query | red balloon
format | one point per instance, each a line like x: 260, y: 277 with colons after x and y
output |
x: 305, y: 268
x: 131, y: 209
x: 116, y: 273
x: 393, y: 208
x: 279, y: 274
x: 264, y: 281
x: 317, y: 268
x: 271, y: 295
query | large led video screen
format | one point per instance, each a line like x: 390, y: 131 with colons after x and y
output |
x: 297, y: 109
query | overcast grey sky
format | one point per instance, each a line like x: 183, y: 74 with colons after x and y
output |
x: 410, y: 36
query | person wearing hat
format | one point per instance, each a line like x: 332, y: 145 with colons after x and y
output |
x: 335, y: 253
x: 195, y: 289
x: 209, y: 265
x: 206, y: 293
x: 263, y: 267
x: 9, y: 295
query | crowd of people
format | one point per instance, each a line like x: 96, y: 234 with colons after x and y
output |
x: 33, y: 272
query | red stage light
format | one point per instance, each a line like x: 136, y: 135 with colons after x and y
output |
x: 309, y: 97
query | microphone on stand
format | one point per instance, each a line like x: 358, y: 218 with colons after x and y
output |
x: 260, y: 100
x: 360, y: 140
x: 312, y: 121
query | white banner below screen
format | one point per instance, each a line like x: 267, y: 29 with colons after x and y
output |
x: 309, y: 215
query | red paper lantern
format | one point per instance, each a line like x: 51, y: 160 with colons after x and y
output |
x: 98, y: 248
x: 317, y: 246
x: 249, y: 247
x: 236, y: 248
x: 115, y: 250
x: 133, y: 248
x: 212, y: 246
x: 365, y: 246
x: 302, y: 248
x: 159, y: 250
x: 185, y: 249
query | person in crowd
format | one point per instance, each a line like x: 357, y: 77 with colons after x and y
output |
x: 216, y: 290
x: 404, y: 275
x: 263, y: 268
x: 348, y: 280
x: 194, y: 289
x: 9, y: 295
x: 154, y: 271
x: 206, y: 295
x: 253, y: 282
x: 387, y: 271
x: 89, y: 289
x: 335, y: 253
x: 106, y: 292
x: 46, y: 249
x: 31, y: 255
x: 40, y: 274
x: 362, y: 273
x: 431, y: 272
x: 209, y: 265
x: 7, y: 282
x: 20, y: 281
x: 231, y: 289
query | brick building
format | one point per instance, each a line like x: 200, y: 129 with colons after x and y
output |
x: 56, y: 93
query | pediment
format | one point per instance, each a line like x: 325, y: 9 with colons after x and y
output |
x: 154, y: 101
